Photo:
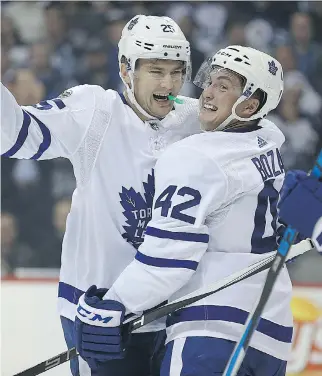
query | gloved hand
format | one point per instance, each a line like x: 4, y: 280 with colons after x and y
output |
x: 301, y: 205
x: 99, y: 334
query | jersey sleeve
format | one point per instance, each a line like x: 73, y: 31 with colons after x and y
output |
x: 189, y: 186
x: 49, y: 129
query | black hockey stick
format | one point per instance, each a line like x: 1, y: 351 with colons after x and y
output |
x: 252, y: 322
x: 156, y: 313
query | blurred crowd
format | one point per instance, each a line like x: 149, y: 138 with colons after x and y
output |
x: 47, y: 47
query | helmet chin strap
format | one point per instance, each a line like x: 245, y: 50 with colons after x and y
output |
x: 131, y: 96
x: 234, y: 116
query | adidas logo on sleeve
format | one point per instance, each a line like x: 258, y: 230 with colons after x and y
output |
x: 261, y: 142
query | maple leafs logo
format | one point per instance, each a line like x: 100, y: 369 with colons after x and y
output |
x: 137, y: 211
x: 272, y: 68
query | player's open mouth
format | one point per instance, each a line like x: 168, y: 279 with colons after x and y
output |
x: 159, y: 97
x: 210, y: 107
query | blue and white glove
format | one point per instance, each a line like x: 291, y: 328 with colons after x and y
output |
x: 301, y: 205
x: 99, y: 335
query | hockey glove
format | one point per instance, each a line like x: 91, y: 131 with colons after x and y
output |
x: 99, y: 335
x: 301, y: 205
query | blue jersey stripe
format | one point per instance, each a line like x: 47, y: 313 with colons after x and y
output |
x: 22, y: 136
x: 46, y: 138
x: 166, y: 263
x: 184, y: 236
x: 59, y: 103
x: 69, y: 292
x: 231, y: 314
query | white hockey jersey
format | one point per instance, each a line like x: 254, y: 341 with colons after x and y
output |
x: 215, y: 212
x: 113, y: 154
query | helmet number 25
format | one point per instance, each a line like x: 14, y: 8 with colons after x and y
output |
x: 167, y: 28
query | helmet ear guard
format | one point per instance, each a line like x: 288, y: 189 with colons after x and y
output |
x: 261, y: 72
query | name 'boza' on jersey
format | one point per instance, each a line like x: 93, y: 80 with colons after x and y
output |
x: 113, y: 154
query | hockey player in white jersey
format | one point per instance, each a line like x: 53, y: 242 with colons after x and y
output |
x: 214, y: 213
x: 113, y: 141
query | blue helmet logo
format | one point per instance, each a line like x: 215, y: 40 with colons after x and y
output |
x: 272, y: 68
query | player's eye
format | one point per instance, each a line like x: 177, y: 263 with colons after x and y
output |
x: 208, y: 82
x: 223, y: 87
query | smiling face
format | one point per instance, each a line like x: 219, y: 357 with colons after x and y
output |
x: 154, y: 80
x: 218, y: 98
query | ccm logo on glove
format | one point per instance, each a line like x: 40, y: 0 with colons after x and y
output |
x: 97, y: 317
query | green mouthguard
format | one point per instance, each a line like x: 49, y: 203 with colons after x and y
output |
x: 175, y: 99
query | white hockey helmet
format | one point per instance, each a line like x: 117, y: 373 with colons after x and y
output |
x: 152, y: 37
x: 259, y: 70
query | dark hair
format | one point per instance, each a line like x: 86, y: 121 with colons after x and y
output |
x: 125, y: 61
